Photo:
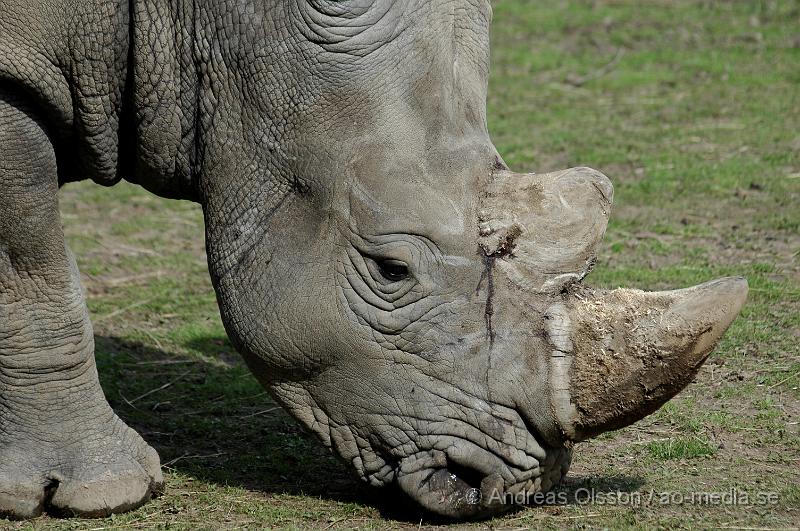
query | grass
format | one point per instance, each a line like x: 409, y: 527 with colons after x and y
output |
x: 690, y: 106
x: 679, y: 448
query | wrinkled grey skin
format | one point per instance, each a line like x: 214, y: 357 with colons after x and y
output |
x: 405, y: 296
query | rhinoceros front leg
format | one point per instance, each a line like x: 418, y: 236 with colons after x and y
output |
x: 62, y: 448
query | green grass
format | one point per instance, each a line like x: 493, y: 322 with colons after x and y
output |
x: 681, y: 448
x: 691, y: 107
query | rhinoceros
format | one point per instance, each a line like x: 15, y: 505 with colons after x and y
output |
x: 405, y: 296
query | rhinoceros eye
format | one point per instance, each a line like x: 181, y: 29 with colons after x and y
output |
x: 393, y: 270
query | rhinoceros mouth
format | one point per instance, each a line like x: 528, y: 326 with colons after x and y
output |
x: 445, y: 491
x: 464, y: 480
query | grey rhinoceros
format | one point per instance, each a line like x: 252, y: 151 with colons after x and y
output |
x: 406, y: 297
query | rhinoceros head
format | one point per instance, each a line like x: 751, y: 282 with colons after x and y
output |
x: 405, y: 296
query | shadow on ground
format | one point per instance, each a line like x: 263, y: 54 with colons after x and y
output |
x: 209, y: 419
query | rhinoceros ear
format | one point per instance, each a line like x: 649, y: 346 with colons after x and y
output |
x: 547, y: 226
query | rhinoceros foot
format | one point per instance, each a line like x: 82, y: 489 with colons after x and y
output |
x: 93, y: 469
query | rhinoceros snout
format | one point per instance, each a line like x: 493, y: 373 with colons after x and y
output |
x: 463, y: 483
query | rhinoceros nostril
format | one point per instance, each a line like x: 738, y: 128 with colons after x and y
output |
x: 470, y: 476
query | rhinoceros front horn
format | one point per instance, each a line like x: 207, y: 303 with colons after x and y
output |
x: 624, y: 353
